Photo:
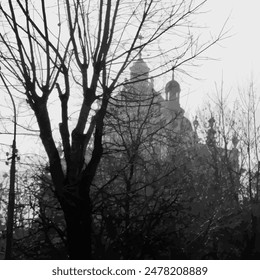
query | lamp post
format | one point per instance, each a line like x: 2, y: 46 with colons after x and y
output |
x: 11, y: 197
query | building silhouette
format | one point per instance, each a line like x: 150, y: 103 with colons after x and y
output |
x: 144, y: 123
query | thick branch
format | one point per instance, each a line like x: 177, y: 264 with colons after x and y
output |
x: 41, y: 113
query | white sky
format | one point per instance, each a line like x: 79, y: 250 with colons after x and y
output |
x: 238, y: 56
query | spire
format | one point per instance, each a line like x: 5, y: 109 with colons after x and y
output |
x: 195, y: 125
x: 172, y: 74
x: 211, y: 141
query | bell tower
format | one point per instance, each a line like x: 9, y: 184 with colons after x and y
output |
x: 172, y: 94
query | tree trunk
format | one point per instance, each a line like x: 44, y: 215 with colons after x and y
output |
x: 78, y: 236
x: 255, y: 222
x: 78, y: 217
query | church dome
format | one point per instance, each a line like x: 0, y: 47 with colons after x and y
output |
x: 172, y: 96
x: 139, y: 70
x: 172, y: 85
x: 172, y: 90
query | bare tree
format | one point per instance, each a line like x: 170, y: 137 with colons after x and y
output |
x: 80, y: 50
x: 237, y: 139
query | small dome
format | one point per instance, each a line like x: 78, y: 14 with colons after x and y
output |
x: 172, y: 90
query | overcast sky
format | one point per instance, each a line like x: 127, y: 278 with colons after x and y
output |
x: 238, y: 56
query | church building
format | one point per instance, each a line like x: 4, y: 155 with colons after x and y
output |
x: 144, y: 121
